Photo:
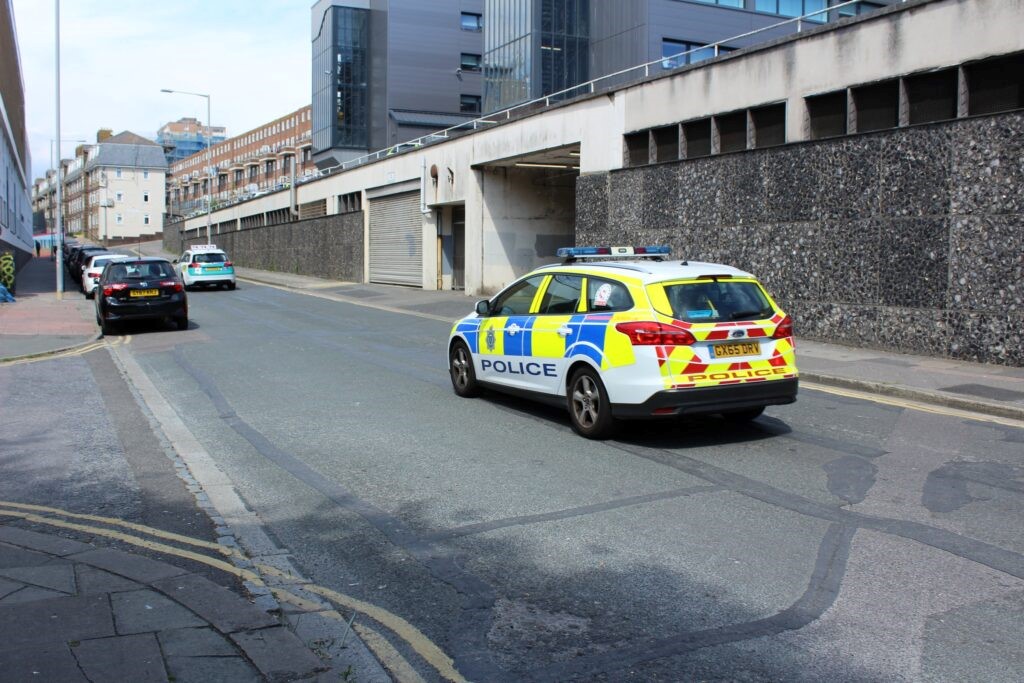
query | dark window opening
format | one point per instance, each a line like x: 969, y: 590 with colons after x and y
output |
x: 769, y: 125
x: 469, y: 62
x: 995, y: 85
x: 697, y: 135
x: 827, y: 115
x: 732, y: 132
x: 666, y: 143
x: 469, y: 104
x: 637, y: 153
x: 351, y: 202
x: 877, y: 106
x: 932, y: 97
x: 472, y: 22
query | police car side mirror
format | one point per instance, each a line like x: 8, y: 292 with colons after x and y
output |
x: 483, y: 307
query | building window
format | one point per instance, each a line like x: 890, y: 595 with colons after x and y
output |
x: 859, y: 8
x: 666, y: 143
x: 732, y: 131
x: 827, y: 115
x: 932, y: 96
x: 792, y: 8
x: 769, y: 125
x: 145, y: 219
x: 118, y: 218
x: 145, y: 196
x: 692, y: 53
x: 117, y: 172
x: 724, y: 3
x: 472, y: 22
x: 877, y: 107
x: 469, y: 62
x: 119, y: 196
x: 145, y: 175
x: 469, y: 104
x: 637, y: 149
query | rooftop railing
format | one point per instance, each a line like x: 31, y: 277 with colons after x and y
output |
x: 816, y: 18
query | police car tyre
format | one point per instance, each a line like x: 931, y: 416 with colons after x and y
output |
x: 589, y: 410
x: 460, y: 365
x: 741, y: 416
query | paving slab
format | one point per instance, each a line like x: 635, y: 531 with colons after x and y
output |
x: 11, y: 556
x: 56, y: 620
x: 46, y: 543
x: 277, y: 653
x: 208, y: 669
x: 92, y: 580
x: 57, y: 577
x: 39, y: 663
x: 134, y: 658
x: 146, y: 610
x: 7, y: 587
x: 195, y: 642
x: 214, y: 603
x: 135, y: 567
x: 29, y: 594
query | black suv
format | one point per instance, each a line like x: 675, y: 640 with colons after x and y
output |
x: 140, y: 289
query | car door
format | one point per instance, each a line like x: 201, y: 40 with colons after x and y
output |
x: 558, y: 305
x: 505, y: 342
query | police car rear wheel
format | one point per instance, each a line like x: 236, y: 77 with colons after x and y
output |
x: 460, y: 364
x: 589, y: 411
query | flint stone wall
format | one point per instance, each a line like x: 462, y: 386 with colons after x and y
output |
x: 909, y: 240
x: 329, y: 247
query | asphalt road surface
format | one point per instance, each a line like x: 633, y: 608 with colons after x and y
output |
x: 833, y: 539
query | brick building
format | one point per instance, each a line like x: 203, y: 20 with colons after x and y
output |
x: 258, y: 160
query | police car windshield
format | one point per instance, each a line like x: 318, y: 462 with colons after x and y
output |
x: 209, y: 258
x: 718, y: 301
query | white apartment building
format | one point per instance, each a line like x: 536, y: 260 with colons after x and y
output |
x: 123, y: 187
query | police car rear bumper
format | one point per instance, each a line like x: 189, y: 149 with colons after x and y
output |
x: 705, y: 400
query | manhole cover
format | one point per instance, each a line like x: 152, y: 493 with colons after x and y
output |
x: 994, y: 393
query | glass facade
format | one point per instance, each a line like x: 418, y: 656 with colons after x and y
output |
x: 341, y: 80
x: 534, y: 48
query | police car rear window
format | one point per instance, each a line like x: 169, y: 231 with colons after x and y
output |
x: 605, y: 295
x: 719, y: 301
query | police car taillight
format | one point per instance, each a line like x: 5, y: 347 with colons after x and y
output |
x: 785, y: 329
x: 655, y: 334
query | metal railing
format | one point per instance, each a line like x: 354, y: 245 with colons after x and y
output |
x: 588, y: 88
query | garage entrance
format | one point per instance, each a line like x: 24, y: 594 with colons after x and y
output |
x: 396, y: 240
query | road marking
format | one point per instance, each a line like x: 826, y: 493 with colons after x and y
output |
x: 420, y: 643
x: 76, y: 351
x: 388, y: 655
x: 912, y: 405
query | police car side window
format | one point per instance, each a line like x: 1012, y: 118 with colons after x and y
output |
x: 562, y: 296
x: 605, y: 295
x: 518, y: 298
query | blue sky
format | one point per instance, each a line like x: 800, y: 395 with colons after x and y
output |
x: 251, y: 56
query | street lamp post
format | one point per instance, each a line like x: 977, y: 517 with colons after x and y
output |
x: 209, y: 156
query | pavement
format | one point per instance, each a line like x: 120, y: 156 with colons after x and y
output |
x: 75, y: 612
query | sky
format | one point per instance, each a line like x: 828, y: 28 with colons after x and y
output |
x: 251, y: 56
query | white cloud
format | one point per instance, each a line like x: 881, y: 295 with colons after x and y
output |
x: 252, y: 57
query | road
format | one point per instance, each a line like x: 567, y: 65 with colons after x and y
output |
x: 834, y: 539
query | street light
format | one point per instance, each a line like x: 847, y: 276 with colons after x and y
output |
x: 209, y: 155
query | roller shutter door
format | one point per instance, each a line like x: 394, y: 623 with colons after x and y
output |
x: 396, y: 240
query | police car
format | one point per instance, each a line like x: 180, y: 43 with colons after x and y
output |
x: 205, y: 264
x: 624, y: 332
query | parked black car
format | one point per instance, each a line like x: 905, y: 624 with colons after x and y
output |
x: 76, y: 258
x: 140, y: 289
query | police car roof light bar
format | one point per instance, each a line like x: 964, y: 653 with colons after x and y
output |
x: 571, y: 254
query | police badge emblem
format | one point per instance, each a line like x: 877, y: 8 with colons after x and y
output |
x: 491, y: 339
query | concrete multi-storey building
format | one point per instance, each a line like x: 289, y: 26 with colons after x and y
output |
x: 187, y: 136
x: 387, y: 71
x: 256, y: 161
x: 15, y: 202
x: 533, y: 48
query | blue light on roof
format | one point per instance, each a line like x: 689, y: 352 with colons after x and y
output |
x: 585, y: 252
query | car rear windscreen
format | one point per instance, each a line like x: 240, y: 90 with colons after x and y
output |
x: 139, y: 271
x: 718, y: 301
x: 209, y: 258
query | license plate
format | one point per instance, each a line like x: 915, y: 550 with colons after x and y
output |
x: 732, y: 350
x: 211, y: 269
x: 139, y: 293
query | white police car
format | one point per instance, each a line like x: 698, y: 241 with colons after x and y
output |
x: 205, y: 264
x: 623, y: 332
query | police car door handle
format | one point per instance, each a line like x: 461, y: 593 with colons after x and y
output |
x: 564, y: 330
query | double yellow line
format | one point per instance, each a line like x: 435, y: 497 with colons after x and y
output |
x: 67, y: 353
x: 385, y: 652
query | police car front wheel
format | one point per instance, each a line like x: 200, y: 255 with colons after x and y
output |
x: 460, y: 364
x: 589, y: 410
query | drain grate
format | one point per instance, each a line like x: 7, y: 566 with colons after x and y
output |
x: 994, y: 393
